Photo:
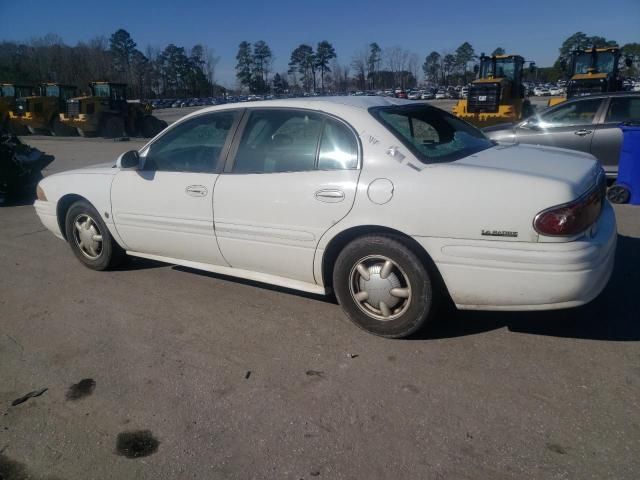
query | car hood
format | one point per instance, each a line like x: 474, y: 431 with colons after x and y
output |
x: 498, y: 127
x: 106, y: 168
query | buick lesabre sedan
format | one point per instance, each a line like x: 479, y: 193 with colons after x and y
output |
x: 391, y: 204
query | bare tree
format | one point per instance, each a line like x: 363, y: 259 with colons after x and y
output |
x: 413, y: 65
x: 360, y: 64
x: 396, y: 60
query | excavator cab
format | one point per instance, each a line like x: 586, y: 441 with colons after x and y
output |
x: 11, y: 95
x: 594, y: 70
x: 497, y: 95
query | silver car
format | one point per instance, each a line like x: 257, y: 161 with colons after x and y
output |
x: 589, y: 124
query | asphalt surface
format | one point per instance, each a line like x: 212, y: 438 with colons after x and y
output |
x: 204, y: 376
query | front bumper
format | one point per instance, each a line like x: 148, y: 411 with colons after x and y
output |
x: 496, y: 275
x: 47, y: 214
x: 81, y: 121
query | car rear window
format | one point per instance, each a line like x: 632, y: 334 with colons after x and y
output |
x: 432, y: 135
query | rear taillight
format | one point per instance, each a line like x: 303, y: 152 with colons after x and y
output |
x: 574, y: 217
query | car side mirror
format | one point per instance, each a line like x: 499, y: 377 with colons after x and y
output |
x: 628, y: 62
x: 128, y: 160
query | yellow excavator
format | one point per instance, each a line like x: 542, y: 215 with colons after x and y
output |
x: 41, y: 112
x: 9, y: 94
x: 593, y: 70
x: 497, y: 95
x: 108, y: 113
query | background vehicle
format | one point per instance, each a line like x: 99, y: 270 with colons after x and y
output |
x: 497, y: 95
x: 593, y: 70
x: 42, y: 110
x: 9, y: 93
x: 587, y: 124
x: 108, y: 113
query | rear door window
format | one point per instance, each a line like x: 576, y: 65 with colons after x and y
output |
x: 581, y: 112
x: 288, y: 140
x: 623, y: 109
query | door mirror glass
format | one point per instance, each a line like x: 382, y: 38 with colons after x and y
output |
x: 127, y: 160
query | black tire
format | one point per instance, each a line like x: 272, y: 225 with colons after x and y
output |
x: 618, y: 194
x: 408, y: 317
x: 109, y: 255
x: 59, y: 129
x: 112, y: 127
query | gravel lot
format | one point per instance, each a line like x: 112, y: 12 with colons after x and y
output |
x: 239, y: 380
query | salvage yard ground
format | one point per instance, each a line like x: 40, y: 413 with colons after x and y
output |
x: 156, y: 371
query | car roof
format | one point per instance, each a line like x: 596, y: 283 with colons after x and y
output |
x: 333, y: 105
x: 607, y: 95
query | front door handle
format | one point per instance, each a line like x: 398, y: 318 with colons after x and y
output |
x: 330, y: 196
x: 583, y: 132
x: 196, y: 190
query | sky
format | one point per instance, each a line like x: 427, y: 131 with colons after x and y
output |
x: 534, y: 30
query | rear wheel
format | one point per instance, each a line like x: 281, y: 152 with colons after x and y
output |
x: 618, y: 194
x: 90, y: 239
x: 383, y: 286
x: 113, y: 127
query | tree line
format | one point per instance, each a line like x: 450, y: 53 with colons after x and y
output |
x: 172, y: 72
x: 374, y: 68
x: 178, y: 72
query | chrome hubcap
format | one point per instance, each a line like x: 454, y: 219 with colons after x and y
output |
x: 87, y: 236
x: 380, y: 287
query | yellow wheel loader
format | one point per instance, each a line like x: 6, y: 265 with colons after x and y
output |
x: 41, y: 112
x: 497, y: 95
x: 593, y: 70
x: 108, y: 113
x: 9, y: 94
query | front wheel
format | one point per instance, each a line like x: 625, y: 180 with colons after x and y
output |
x: 383, y: 286
x: 90, y: 239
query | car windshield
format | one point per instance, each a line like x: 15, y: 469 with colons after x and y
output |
x: 505, y: 68
x: 52, y: 91
x: 433, y: 135
x: 604, y: 62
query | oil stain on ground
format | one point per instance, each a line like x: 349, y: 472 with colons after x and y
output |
x: 136, y: 444
x: 83, y: 388
x: 12, y: 470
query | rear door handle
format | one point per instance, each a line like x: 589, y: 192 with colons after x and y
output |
x: 330, y: 196
x: 583, y: 132
x: 196, y: 190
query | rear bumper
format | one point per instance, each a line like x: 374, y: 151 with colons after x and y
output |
x: 47, y: 214
x: 494, y: 275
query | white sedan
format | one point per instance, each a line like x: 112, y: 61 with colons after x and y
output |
x: 391, y: 204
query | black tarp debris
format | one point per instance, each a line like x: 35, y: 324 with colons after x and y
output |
x: 20, y: 167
